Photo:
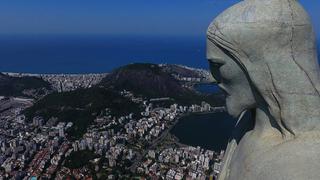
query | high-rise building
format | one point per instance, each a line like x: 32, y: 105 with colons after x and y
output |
x: 61, y: 132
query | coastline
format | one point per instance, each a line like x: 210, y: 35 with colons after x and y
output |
x: 23, y: 74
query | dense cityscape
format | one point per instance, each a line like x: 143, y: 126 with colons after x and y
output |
x: 130, y: 146
x: 63, y: 82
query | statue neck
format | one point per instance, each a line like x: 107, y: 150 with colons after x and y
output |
x: 266, y: 125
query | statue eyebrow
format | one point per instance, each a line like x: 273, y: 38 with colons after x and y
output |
x: 224, y: 50
x: 211, y: 39
x: 216, y: 60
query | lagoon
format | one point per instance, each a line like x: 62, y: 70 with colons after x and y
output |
x: 209, y: 131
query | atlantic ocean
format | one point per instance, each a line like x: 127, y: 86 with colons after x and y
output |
x: 96, y: 53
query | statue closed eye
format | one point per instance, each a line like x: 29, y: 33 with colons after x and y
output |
x: 263, y: 55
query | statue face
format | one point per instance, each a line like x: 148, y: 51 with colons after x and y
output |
x: 231, y: 79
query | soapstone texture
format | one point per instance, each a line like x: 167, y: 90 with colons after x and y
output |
x: 263, y: 55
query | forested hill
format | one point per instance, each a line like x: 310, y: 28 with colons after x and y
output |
x: 153, y: 81
x: 23, y: 86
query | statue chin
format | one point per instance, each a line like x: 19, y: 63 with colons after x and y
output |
x: 234, y: 107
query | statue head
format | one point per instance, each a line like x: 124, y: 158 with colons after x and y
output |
x: 263, y: 55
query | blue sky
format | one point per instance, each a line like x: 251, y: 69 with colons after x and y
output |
x: 125, y: 17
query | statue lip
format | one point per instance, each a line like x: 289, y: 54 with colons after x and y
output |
x: 223, y: 88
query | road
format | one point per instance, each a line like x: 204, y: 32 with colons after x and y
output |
x: 154, y: 144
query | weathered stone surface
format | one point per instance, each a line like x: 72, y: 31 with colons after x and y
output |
x: 263, y: 54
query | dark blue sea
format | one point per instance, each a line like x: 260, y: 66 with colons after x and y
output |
x: 96, y: 54
x: 207, y: 88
